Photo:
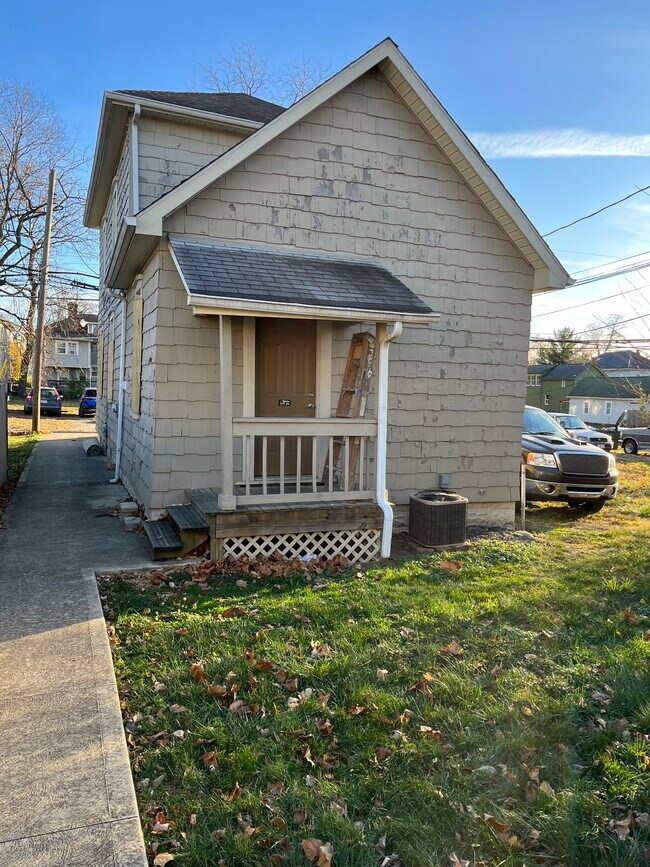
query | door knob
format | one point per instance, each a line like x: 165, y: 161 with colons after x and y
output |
x: 311, y: 406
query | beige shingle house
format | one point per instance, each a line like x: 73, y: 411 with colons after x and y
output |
x: 264, y: 271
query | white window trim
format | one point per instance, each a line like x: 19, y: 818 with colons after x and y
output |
x: 547, y: 400
x: 608, y: 407
x: 534, y: 380
x: 585, y: 407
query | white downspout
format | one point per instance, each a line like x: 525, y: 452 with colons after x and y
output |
x: 121, y: 384
x: 384, y: 338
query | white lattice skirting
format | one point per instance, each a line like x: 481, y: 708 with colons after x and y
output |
x: 357, y: 546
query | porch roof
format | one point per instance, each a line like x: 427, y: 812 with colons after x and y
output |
x: 222, y: 278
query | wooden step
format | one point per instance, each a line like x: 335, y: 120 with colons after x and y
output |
x: 187, y: 518
x: 164, y: 541
x: 205, y: 500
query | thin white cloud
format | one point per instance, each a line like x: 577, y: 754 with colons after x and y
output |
x: 553, y: 143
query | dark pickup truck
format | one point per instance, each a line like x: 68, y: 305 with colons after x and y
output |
x: 558, y: 468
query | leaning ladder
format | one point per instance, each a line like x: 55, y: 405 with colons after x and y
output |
x: 353, y: 400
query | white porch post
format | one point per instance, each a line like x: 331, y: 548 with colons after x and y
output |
x: 384, y: 339
x: 227, y: 499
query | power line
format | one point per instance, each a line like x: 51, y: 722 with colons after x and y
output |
x: 612, y: 262
x: 595, y: 213
x: 599, y: 328
x: 593, y: 301
x: 16, y: 267
x: 596, y: 278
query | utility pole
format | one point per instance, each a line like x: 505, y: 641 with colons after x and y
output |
x: 40, y: 319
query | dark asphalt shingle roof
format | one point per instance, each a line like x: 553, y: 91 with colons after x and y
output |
x: 604, y: 386
x: 244, y: 273
x: 240, y: 105
x: 624, y: 359
x: 566, y: 371
x: 559, y: 371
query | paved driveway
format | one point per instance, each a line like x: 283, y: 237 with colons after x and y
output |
x: 67, y: 793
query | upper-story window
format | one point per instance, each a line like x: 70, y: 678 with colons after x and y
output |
x: 92, y: 327
x: 534, y: 379
x: 67, y: 347
x: 564, y: 383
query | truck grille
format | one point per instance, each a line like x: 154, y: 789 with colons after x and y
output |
x: 576, y: 464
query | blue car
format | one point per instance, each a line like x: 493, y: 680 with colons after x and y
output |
x: 50, y: 401
x: 88, y: 402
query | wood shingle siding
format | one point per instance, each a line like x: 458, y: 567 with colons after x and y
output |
x: 169, y: 152
x: 361, y: 176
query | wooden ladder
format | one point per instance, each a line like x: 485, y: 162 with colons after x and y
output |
x: 353, y: 399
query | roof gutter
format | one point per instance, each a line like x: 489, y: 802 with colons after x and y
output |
x: 206, y: 305
x: 135, y: 173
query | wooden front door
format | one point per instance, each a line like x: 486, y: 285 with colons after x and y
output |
x: 285, y: 385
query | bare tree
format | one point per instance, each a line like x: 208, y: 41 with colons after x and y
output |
x: 33, y: 139
x: 605, y: 331
x: 241, y: 71
x: 298, y: 78
x: 244, y: 70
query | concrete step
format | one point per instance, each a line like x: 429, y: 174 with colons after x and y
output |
x: 187, y: 518
x: 163, y: 540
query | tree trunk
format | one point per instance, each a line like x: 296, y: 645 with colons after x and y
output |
x: 28, y: 350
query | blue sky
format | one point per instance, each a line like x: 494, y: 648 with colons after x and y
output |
x: 515, y: 75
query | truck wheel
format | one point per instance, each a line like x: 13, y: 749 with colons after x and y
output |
x: 630, y: 447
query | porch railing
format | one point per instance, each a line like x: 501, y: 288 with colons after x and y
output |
x: 304, y: 459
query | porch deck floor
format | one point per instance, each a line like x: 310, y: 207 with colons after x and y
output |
x: 207, y: 501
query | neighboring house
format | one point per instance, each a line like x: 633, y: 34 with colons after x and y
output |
x: 549, y: 385
x: 242, y: 247
x: 71, y: 349
x: 604, y: 400
x: 623, y: 362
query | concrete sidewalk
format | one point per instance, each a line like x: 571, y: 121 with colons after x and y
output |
x: 67, y: 792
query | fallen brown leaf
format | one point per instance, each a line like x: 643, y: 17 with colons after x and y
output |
x: 197, y: 673
x: 316, y: 850
x: 452, y: 649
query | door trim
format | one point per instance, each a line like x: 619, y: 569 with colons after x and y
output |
x: 323, y: 368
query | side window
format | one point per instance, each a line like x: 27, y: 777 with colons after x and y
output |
x: 110, y: 361
x: 608, y: 407
x: 547, y: 400
x: 136, y: 360
x: 100, y: 366
x: 585, y: 407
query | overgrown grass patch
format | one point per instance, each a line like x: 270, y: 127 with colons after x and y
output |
x: 20, y: 448
x: 391, y: 711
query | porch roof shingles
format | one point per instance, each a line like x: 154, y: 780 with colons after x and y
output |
x: 278, y: 277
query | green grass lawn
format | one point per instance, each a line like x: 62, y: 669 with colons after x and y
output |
x: 498, y: 712
x: 20, y: 448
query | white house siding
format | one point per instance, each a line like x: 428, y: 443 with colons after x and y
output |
x: 597, y: 408
x: 169, y: 152
x: 63, y: 361
x: 361, y: 177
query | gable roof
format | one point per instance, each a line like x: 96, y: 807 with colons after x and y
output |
x: 623, y: 359
x: 258, y: 279
x: 238, y: 105
x: 549, y: 273
x: 567, y: 371
x: 540, y: 368
x: 604, y: 386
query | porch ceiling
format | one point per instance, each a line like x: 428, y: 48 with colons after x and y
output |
x: 221, y: 278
